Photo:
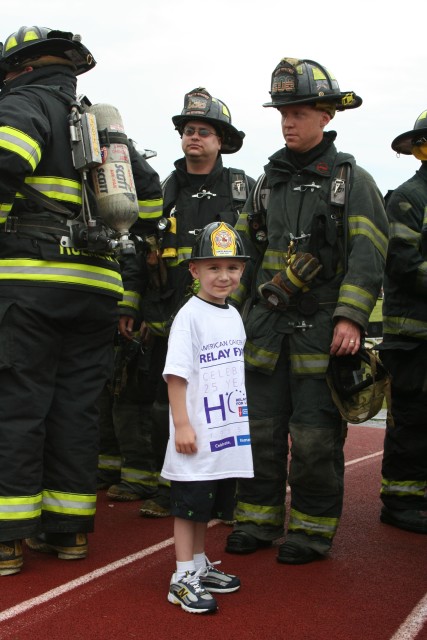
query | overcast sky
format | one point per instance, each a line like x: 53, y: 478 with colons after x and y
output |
x: 149, y: 54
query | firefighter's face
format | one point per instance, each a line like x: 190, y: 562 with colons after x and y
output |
x: 200, y: 140
x: 302, y: 126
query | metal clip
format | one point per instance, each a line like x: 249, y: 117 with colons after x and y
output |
x: 238, y: 185
x: 304, y: 187
x: 202, y: 194
x: 195, y: 232
x: 338, y: 185
x: 302, y: 325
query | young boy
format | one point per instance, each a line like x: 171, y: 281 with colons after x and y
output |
x: 209, y: 442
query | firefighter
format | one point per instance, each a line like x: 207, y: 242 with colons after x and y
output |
x: 404, y: 346
x: 200, y: 190
x: 59, y: 294
x: 318, y: 250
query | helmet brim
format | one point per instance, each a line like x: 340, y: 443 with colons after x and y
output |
x: 72, y: 50
x: 336, y: 98
x: 405, y: 142
x: 232, y: 139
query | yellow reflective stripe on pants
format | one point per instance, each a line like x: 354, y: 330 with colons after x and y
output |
x: 312, y: 525
x: 258, y: 514
x: 20, y: 507
x: 69, y: 503
x: 403, y: 488
x: 109, y: 463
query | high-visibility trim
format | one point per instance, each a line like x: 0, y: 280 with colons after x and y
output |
x: 183, y: 253
x: 309, y: 363
x: 400, y: 231
x: 158, y: 328
x: 69, y: 503
x: 20, y: 507
x: 403, y: 488
x: 138, y: 476
x: 356, y: 297
x: 312, y: 525
x: 422, y: 277
x: 150, y: 209
x: 109, y: 463
x: 242, y: 222
x: 5, y: 207
x: 130, y: 299
x: 274, y: 259
x: 361, y: 225
x: 260, y: 358
x: 396, y: 325
x: 57, y: 188
x: 21, y: 144
x: 68, y: 273
x: 259, y: 514
x: 239, y: 295
x: 162, y: 482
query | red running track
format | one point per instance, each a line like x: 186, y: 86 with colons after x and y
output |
x: 373, y: 586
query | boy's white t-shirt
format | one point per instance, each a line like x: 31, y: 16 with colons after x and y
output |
x: 206, y: 349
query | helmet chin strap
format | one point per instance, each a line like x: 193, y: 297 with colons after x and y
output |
x: 420, y: 151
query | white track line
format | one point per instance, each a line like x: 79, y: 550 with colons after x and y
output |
x: 413, y: 623
x: 407, y: 631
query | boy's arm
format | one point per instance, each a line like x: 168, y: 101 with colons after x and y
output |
x: 185, y: 436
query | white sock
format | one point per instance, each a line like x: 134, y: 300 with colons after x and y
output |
x: 199, y: 560
x: 183, y: 567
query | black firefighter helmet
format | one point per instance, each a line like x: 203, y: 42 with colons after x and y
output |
x: 200, y: 105
x: 417, y: 136
x: 30, y: 43
x: 295, y: 81
x: 359, y: 384
x: 218, y: 240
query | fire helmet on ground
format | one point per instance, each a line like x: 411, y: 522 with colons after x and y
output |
x: 359, y: 385
x: 29, y: 43
x: 417, y: 136
x: 295, y: 81
x: 200, y: 105
x: 218, y: 240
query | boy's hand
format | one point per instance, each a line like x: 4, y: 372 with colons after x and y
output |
x: 185, y: 439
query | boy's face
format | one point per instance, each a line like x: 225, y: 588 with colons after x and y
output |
x: 218, y: 277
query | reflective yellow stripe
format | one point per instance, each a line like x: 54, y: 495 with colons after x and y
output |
x: 260, y: 358
x: 274, y: 260
x: 130, y: 299
x: 21, y: 507
x: 149, y: 209
x: 20, y: 143
x: 405, y: 326
x: 57, y: 188
x: 312, y: 525
x: 309, y: 363
x: 403, y: 488
x: 360, y: 225
x: 356, y: 297
x: 259, y: 514
x: 110, y: 463
x: 68, y: 273
x: 69, y: 503
x: 137, y: 476
x: 158, y: 328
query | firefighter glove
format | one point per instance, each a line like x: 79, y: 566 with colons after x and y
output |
x: 302, y: 269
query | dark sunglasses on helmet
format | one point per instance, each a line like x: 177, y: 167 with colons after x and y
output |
x: 203, y: 133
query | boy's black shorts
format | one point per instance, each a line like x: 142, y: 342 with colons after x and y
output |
x: 204, y: 500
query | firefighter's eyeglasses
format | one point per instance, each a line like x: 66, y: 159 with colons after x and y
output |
x: 203, y: 133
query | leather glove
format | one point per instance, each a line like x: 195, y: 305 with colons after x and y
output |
x: 302, y: 269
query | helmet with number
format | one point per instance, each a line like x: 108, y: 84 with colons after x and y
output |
x: 359, y: 384
x: 295, y: 81
x: 200, y: 105
x: 218, y: 240
x: 30, y: 43
x: 417, y: 137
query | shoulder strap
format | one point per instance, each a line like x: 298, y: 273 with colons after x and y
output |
x: 339, y: 198
x: 261, y: 194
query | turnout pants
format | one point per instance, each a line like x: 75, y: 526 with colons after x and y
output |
x: 55, y: 356
x: 295, y: 415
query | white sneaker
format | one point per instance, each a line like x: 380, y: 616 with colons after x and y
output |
x: 191, y: 594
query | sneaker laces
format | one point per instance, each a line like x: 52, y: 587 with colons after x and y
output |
x: 210, y: 565
x: 193, y: 579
